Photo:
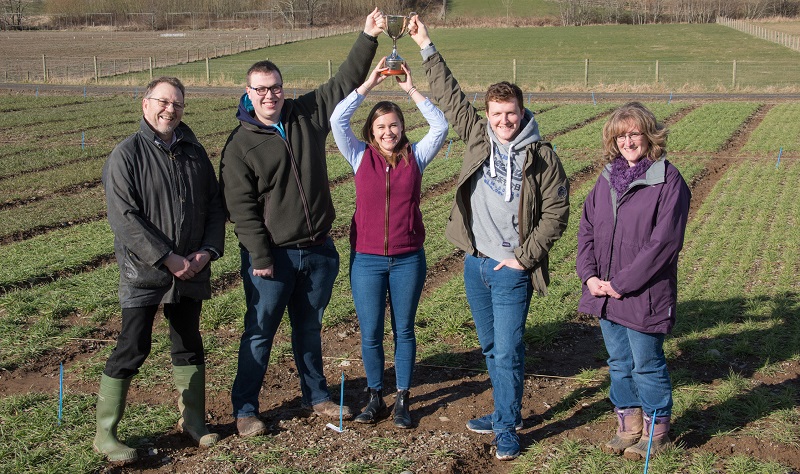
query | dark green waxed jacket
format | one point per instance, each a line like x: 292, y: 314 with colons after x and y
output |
x: 160, y: 201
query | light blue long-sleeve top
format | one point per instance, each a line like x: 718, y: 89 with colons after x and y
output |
x: 353, y: 149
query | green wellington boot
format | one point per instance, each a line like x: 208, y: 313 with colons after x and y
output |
x: 110, y: 407
x: 190, y: 380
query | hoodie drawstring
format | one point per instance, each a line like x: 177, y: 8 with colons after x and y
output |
x: 493, y: 171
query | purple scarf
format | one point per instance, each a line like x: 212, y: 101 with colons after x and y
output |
x: 622, y: 174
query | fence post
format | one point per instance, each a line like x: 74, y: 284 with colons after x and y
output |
x: 656, y: 71
x: 733, y: 82
x: 96, y: 72
x: 330, y: 69
x: 586, y: 72
x: 208, y: 72
x: 514, y: 71
x: 44, y: 68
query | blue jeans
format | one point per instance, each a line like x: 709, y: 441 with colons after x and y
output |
x: 302, y: 282
x: 499, y: 301
x: 402, y: 277
x: 638, y: 369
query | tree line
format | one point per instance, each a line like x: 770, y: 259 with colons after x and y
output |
x: 583, y: 12
x: 198, y: 14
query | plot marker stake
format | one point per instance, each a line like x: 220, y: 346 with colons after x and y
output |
x: 447, y: 153
x: 779, y: 158
x: 670, y: 98
x: 594, y: 101
x: 339, y: 428
x: 650, y: 441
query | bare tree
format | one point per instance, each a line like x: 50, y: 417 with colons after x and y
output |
x: 14, y: 13
x: 507, y: 4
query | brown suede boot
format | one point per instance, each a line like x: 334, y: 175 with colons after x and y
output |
x: 660, y: 442
x: 629, y: 430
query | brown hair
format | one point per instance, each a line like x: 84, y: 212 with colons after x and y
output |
x: 264, y: 67
x: 634, y: 115
x: 504, y: 92
x: 401, y: 150
x: 173, y: 81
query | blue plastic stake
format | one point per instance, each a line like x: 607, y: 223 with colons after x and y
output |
x: 447, y: 153
x: 37, y: 92
x: 529, y: 98
x: 593, y: 101
x: 83, y: 140
x: 135, y: 92
x: 650, y: 441
x: 670, y: 98
x: 779, y: 158
x: 554, y: 147
x: 475, y: 98
x: 84, y: 92
x: 60, y: 392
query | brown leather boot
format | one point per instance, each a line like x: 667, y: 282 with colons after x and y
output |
x: 660, y: 442
x: 629, y: 430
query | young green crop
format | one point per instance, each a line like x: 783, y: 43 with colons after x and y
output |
x: 780, y: 130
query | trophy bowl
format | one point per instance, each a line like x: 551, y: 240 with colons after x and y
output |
x: 396, y: 28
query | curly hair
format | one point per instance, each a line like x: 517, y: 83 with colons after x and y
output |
x: 504, y: 92
x: 634, y: 115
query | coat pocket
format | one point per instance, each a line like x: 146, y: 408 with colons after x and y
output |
x: 141, y: 275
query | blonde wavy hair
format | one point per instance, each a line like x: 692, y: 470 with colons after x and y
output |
x: 634, y: 115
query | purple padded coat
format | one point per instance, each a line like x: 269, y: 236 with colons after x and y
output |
x: 633, y: 241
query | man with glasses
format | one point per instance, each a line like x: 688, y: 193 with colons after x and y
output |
x: 275, y: 183
x: 165, y: 209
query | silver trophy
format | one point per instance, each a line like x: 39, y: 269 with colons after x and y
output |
x: 396, y: 28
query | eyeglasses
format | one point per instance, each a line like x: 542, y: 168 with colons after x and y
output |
x: 633, y: 136
x: 277, y: 89
x: 165, y: 103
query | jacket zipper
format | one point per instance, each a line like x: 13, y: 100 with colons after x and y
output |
x: 301, y: 190
x: 386, y: 217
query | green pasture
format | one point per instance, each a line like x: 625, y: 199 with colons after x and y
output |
x: 737, y: 335
x: 660, y: 57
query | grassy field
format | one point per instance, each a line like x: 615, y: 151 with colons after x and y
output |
x: 680, y: 57
x: 58, y: 284
x: 734, y: 355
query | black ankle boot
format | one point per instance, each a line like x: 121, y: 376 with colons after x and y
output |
x: 374, y: 408
x: 402, y: 418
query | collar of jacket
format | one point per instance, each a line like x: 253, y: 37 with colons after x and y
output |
x: 182, y: 131
x: 656, y: 174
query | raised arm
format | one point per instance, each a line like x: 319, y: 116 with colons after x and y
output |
x: 427, y: 148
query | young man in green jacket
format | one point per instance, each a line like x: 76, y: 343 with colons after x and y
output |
x: 511, y: 205
x: 275, y: 184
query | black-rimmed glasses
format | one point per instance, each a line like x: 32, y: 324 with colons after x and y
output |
x: 277, y: 89
x: 166, y: 103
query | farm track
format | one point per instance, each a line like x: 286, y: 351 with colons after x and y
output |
x: 98, y: 90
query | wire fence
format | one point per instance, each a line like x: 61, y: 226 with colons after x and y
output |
x: 217, y: 65
x: 759, y: 31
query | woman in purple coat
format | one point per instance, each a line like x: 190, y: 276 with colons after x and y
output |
x: 631, y: 231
